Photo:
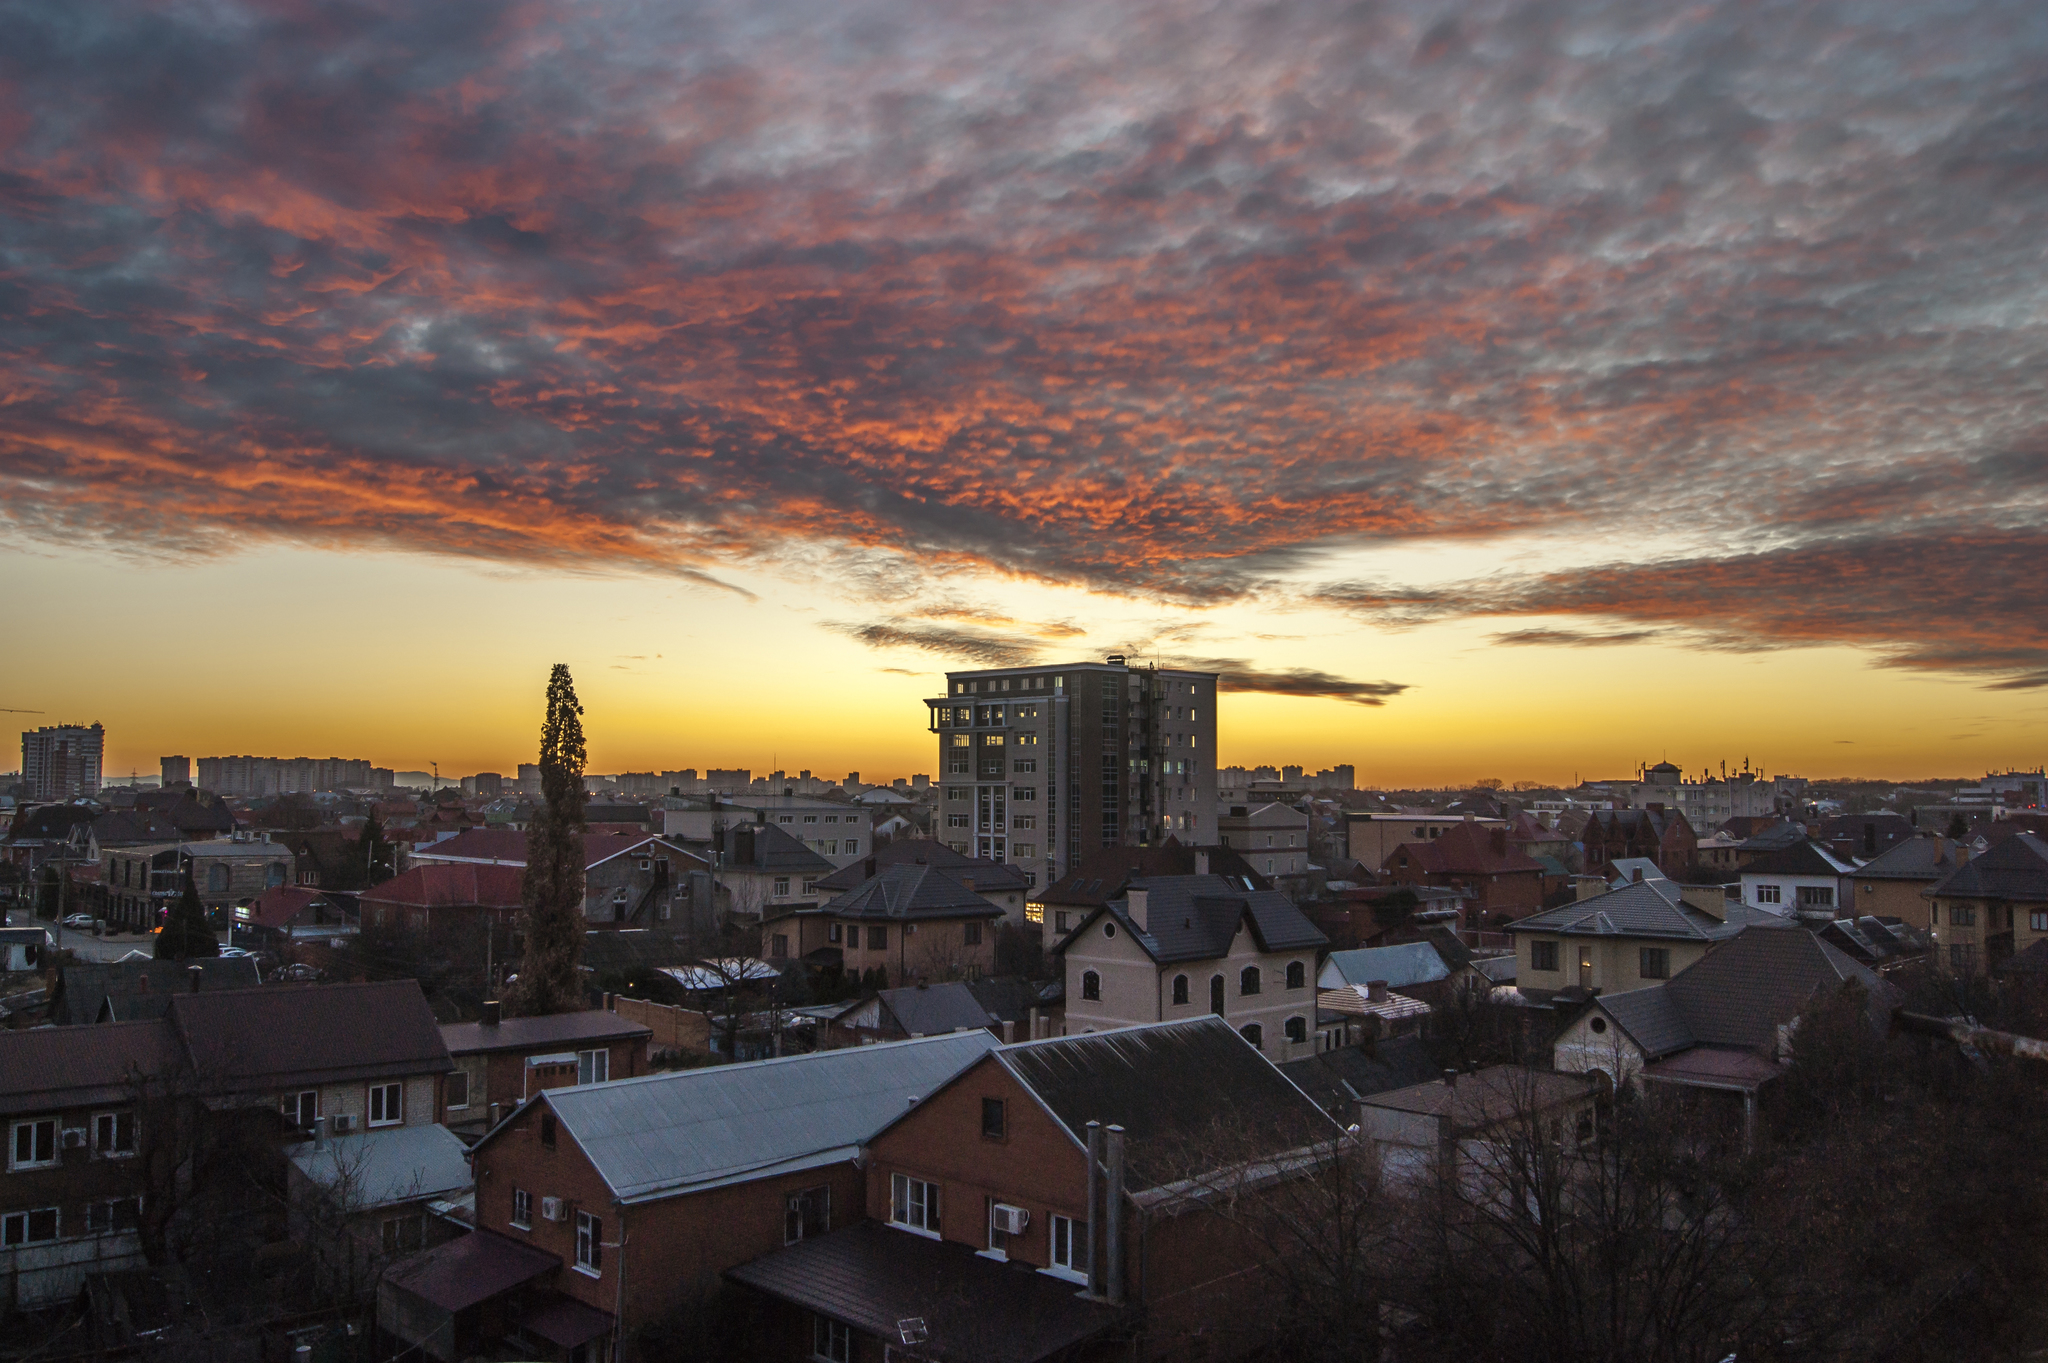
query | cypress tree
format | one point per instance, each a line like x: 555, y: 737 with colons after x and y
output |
x: 553, y: 892
x: 186, y: 933
x: 376, y: 852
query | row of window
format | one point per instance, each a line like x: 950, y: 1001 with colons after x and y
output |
x: 386, y: 1106
x: 969, y: 688
x: 810, y: 818
x: 1249, y: 981
x: 1652, y: 963
x: 34, y: 1144
x: 43, y: 1224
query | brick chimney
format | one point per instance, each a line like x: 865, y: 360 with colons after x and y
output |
x: 1376, y: 990
x: 1134, y: 903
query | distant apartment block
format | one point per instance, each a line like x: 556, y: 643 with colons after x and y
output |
x: 281, y: 775
x: 62, y: 761
x: 177, y: 771
x: 1042, y: 765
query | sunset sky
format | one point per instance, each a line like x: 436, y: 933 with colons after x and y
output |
x: 1519, y: 390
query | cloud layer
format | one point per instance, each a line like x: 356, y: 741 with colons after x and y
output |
x: 1156, y: 298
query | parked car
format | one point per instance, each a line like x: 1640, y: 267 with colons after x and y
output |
x: 81, y: 921
x: 235, y: 951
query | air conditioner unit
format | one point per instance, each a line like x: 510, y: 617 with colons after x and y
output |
x: 340, y: 1122
x: 74, y: 1138
x: 553, y: 1209
x: 1010, y: 1220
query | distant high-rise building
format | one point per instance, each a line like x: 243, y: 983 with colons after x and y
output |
x: 281, y: 775
x: 177, y: 771
x: 1042, y: 765
x: 62, y: 761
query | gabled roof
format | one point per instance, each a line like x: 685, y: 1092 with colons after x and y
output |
x: 1194, y: 918
x: 279, y: 905
x: 1411, y: 963
x: 394, y: 1165
x: 1651, y: 1019
x: 1638, y: 909
x: 49, y: 823
x: 555, y: 1029
x: 452, y: 885
x: 1337, y: 1079
x: 1102, y: 876
x: 1802, y: 858
x: 2011, y: 868
x: 1772, y: 837
x: 977, y: 873
x: 1497, y: 1094
x: 1467, y: 849
x: 910, y: 891
x: 1174, y: 1087
x: 46, y: 1068
x: 133, y: 828
x: 507, y: 847
x: 682, y: 1131
x: 132, y: 990
x: 1656, y: 822
x: 935, y: 1009
x: 257, y: 1040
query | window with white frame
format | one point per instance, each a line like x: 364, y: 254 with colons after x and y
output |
x: 807, y: 1214
x: 593, y: 1067
x: 1770, y: 894
x: 589, y: 1243
x: 522, y: 1209
x: 810, y: 887
x: 113, y: 1134
x: 28, y: 1228
x: 34, y: 1144
x: 781, y: 886
x: 914, y: 1204
x: 301, y: 1109
x: 387, y: 1104
x: 113, y: 1216
x: 1067, y: 1255
x: 831, y: 1341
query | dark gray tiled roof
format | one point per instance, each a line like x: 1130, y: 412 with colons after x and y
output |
x: 775, y: 850
x: 1102, y: 876
x: 1651, y: 1019
x: 2013, y: 868
x: 908, y: 890
x: 1803, y: 858
x: 1194, y: 918
x: 936, y: 1008
x: 983, y: 874
x: 252, y: 1039
x: 1913, y: 859
x: 1740, y: 992
x: 46, y: 1068
x: 1338, y: 1079
x: 1175, y: 1088
x: 129, y: 991
x: 975, y: 1310
x: 1638, y: 909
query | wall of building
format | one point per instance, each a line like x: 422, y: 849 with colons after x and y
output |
x: 1613, y: 965
x: 1135, y: 990
x: 49, y: 1272
x: 1581, y: 1049
x: 1904, y: 899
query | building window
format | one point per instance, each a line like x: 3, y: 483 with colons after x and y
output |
x: 589, y: 1243
x: 1542, y: 955
x: 1962, y: 916
x: 1297, y: 975
x: 1216, y: 995
x: 1248, y: 980
x: 993, y: 1119
x: 779, y: 946
x: 105, y: 1218
x: 387, y: 1104
x: 547, y: 1130
x: 113, y: 1134
x: 1770, y: 894
x: 1297, y: 1029
x: 878, y: 938
x: 781, y: 886
x: 28, y: 1228
x: 1024, y: 849
x: 34, y: 1144
x: 1059, y: 920
x: 2037, y: 922
x: 970, y: 933
x: 404, y: 1234
x: 834, y: 933
x: 831, y: 1342
x: 1962, y: 958
x: 593, y: 1067
x: 301, y: 1109
x: 458, y: 1089
x: 1064, y: 1250
x: 1180, y: 989
x: 849, y: 846
x: 957, y: 821
x: 1816, y: 896
x: 522, y: 1209
x: 810, y: 887
x: 810, y: 818
x: 1024, y: 766
x: 1091, y: 985
x: 806, y: 1214
x: 914, y: 1204
x: 1253, y: 1033
x: 1653, y: 963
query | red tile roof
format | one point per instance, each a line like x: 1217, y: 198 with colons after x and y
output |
x: 508, y: 848
x: 463, y: 885
x: 277, y: 906
x: 1467, y: 849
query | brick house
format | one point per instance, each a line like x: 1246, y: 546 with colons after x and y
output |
x: 991, y: 1173
x: 1180, y: 946
x: 500, y: 1062
x: 435, y: 896
x: 629, y: 879
x: 913, y: 920
x: 622, y: 1203
x: 1660, y: 834
x: 1505, y: 881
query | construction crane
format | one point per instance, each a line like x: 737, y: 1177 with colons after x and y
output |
x: 8, y: 710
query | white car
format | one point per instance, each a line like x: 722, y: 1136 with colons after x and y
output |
x: 82, y: 921
x: 235, y: 951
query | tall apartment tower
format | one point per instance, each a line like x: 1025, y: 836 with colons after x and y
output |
x: 1040, y: 766
x: 177, y: 771
x: 60, y: 761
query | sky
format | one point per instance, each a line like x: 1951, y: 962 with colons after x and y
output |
x: 1521, y: 390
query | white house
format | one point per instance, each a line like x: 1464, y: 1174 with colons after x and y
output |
x: 1804, y: 878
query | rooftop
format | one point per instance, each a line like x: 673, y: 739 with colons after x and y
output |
x: 518, y: 1034
x: 1195, y: 918
x: 379, y: 1168
x: 1642, y: 908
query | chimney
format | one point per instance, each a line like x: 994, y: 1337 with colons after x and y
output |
x: 319, y: 1132
x: 197, y: 975
x: 1450, y: 1079
x: 611, y: 1002
x: 495, y: 1115
x: 1034, y: 1024
x: 1201, y: 862
x: 1094, y: 1200
x: 494, y: 1011
x: 1114, y: 1192
x: 1376, y: 990
x: 1009, y: 1031
x: 1134, y: 903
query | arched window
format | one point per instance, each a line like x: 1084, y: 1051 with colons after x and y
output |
x: 1297, y: 1029
x: 1248, y: 980
x: 1091, y: 985
x: 1216, y: 995
x: 1180, y: 989
x: 1253, y: 1033
x: 1297, y: 975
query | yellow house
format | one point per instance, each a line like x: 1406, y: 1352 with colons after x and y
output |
x: 1641, y: 934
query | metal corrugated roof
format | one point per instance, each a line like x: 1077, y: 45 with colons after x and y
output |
x: 1407, y: 964
x: 397, y: 1164
x: 668, y: 1133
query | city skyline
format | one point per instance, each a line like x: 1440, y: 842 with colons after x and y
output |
x: 1489, y: 392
